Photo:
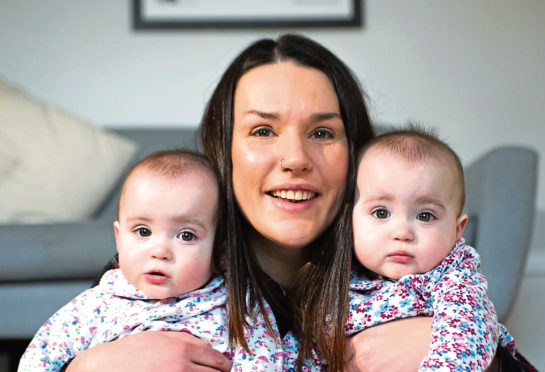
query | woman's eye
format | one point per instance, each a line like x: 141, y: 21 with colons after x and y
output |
x: 186, y: 236
x: 262, y: 132
x: 322, y: 134
x: 143, y: 231
x: 381, y: 213
x: 425, y: 217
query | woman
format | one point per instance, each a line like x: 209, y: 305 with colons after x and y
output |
x: 282, y: 129
x: 295, y: 123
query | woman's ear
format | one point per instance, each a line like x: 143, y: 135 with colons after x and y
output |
x: 461, y: 224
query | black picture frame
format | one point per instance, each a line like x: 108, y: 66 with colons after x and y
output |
x: 144, y: 21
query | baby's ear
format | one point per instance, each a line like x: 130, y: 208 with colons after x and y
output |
x: 116, y: 228
x: 461, y: 224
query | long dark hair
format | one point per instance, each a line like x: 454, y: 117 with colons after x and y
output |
x: 322, y: 284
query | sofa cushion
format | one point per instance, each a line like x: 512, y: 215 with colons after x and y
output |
x: 60, y: 167
x: 8, y: 158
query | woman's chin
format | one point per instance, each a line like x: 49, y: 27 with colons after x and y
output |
x: 282, y: 237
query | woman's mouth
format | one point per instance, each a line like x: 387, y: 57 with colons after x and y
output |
x: 294, y: 196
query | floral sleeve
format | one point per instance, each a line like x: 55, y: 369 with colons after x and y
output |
x: 465, y: 329
x: 59, y: 339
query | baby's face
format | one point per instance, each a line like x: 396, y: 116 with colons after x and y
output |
x: 165, y: 231
x: 406, y: 215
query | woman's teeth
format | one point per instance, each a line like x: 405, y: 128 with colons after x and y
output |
x: 293, y: 195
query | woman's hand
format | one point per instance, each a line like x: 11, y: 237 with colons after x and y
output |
x: 398, y: 345
x: 152, y: 351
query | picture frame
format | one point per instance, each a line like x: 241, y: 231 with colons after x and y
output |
x: 233, y: 14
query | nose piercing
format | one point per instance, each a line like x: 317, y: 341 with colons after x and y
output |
x: 282, y: 164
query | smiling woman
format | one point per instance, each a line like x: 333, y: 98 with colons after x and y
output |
x: 282, y: 129
x: 279, y: 117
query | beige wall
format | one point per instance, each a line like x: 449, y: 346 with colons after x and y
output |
x: 471, y: 68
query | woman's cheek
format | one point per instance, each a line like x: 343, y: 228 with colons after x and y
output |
x: 252, y: 164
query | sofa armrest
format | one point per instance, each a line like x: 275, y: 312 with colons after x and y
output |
x: 57, y: 251
x: 501, y: 192
x: 26, y: 305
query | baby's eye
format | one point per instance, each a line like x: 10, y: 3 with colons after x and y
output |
x: 381, y: 213
x: 425, y: 217
x: 322, y: 133
x: 142, y: 231
x: 262, y: 132
x: 186, y: 236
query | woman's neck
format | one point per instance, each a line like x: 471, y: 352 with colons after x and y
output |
x: 278, y: 262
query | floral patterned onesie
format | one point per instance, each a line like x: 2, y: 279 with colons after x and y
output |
x: 115, y: 309
x: 465, y: 329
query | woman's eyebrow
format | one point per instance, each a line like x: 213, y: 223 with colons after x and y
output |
x: 314, y: 118
x: 322, y: 116
x: 264, y: 115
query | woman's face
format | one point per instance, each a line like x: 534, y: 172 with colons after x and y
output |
x: 290, y: 152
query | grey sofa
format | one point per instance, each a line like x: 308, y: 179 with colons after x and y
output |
x: 44, y: 266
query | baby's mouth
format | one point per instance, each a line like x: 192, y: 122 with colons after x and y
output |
x: 294, y: 196
x: 156, y: 273
x: 156, y: 277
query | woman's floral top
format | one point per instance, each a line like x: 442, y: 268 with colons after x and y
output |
x: 465, y: 328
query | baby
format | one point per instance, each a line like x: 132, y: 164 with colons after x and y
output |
x: 408, y: 226
x: 165, y: 241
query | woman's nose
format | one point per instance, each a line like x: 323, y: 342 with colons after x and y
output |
x: 294, y: 154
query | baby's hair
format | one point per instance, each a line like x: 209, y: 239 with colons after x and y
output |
x: 171, y: 163
x: 416, y: 144
x: 174, y: 162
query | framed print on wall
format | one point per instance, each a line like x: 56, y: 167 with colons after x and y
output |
x: 180, y: 14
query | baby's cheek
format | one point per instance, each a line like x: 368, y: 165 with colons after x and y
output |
x: 363, y: 253
x: 367, y: 247
x: 199, y: 272
x: 365, y: 239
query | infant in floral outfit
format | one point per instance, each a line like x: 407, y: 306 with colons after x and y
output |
x: 165, y: 241
x: 408, y: 226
